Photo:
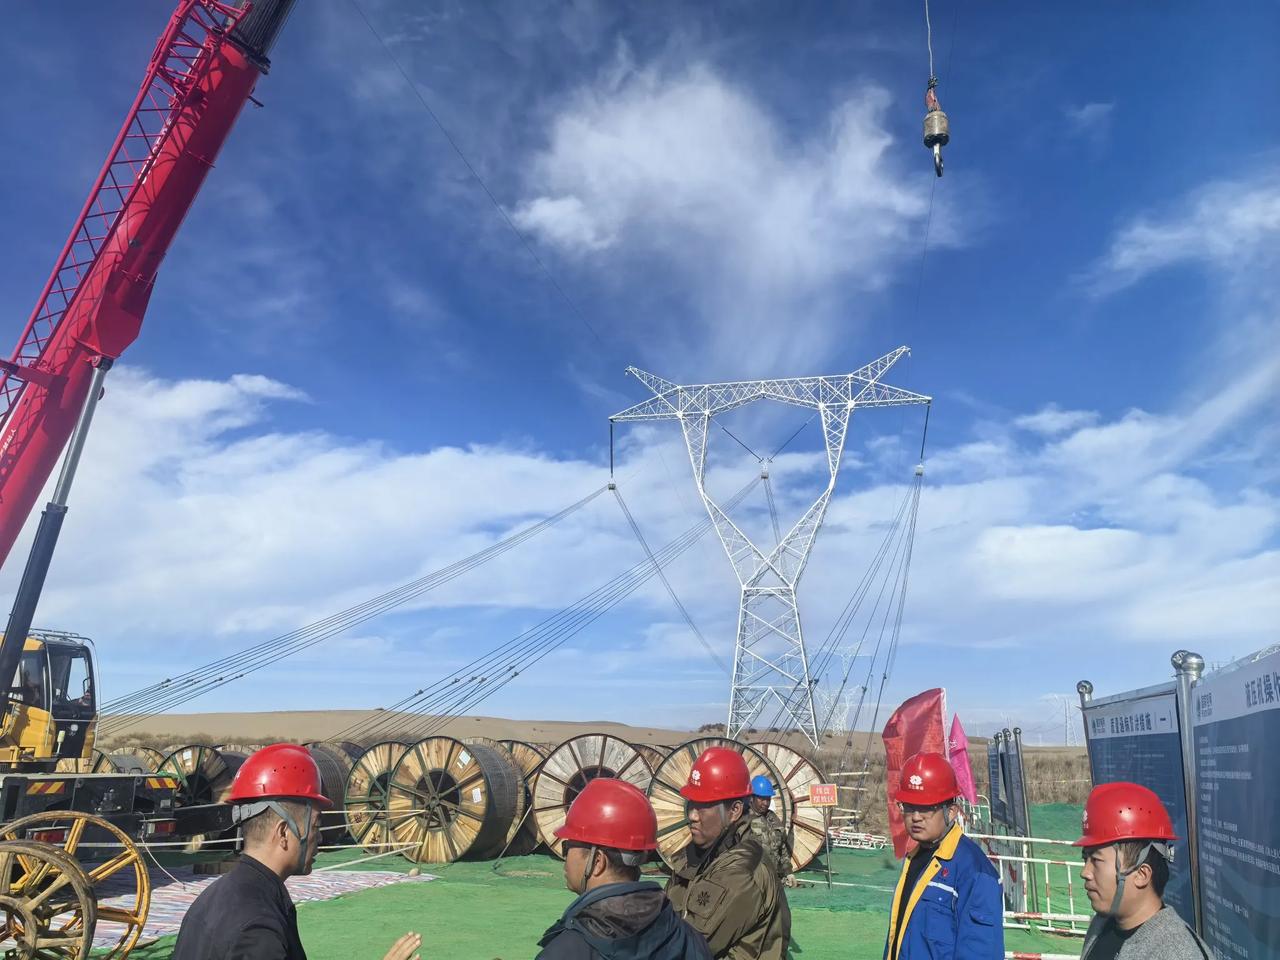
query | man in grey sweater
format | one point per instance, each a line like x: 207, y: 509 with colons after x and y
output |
x: 1127, y: 840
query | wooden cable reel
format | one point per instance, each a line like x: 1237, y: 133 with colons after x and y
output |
x: 673, y: 773
x: 653, y: 756
x: 114, y: 875
x: 248, y: 749
x: 97, y: 763
x: 808, y: 825
x: 204, y: 774
x: 523, y: 836
x: 335, y: 767
x: 153, y: 758
x: 520, y: 816
x: 365, y: 799
x: 126, y: 763
x: 46, y: 903
x: 448, y: 799
x: 570, y: 767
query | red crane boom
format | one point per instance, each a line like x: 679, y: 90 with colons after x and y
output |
x: 203, y: 70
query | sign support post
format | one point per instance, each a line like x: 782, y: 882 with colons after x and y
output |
x: 1189, y: 667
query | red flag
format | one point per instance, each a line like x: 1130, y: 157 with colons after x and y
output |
x: 915, y: 727
x: 958, y: 744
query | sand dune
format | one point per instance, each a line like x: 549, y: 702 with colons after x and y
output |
x: 325, y: 724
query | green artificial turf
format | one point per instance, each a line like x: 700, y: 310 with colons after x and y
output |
x: 475, y: 911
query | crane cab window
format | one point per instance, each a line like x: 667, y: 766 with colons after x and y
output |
x: 29, y: 681
x: 71, y: 676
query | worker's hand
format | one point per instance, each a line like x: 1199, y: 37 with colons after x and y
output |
x: 406, y: 948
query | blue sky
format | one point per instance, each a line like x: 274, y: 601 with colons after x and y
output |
x: 353, y: 371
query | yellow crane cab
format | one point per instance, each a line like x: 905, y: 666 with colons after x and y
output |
x: 52, y: 703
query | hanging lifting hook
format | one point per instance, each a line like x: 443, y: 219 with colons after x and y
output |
x: 937, y: 131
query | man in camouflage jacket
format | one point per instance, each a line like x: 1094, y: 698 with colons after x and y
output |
x: 722, y: 882
x: 766, y: 827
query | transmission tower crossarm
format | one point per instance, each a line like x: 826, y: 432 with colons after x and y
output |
x: 861, y: 387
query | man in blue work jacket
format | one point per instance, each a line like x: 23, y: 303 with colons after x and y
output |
x: 948, y: 904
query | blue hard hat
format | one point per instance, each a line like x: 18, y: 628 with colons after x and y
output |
x: 761, y: 787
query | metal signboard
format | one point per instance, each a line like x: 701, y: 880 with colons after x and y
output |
x: 1236, y: 721
x: 1134, y: 736
x: 823, y: 794
x: 995, y: 784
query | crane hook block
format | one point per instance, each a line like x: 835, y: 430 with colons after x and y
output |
x: 937, y: 131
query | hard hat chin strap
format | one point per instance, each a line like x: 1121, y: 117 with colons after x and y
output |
x: 1123, y: 875
x: 247, y: 811
x: 591, y: 863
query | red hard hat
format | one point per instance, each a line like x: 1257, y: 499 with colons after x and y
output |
x: 611, y: 813
x: 282, y: 770
x: 718, y: 774
x: 1123, y: 811
x: 926, y: 779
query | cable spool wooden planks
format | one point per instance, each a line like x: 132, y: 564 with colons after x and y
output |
x: 153, y: 758
x: 673, y: 773
x: 204, y: 774
x: 528, y: 758
x: 653, y: 756
x: 808, y: 825
x: 449, y: 799
x: 570, y: 767
x: 97, y: 763
x: 365, y: 801
x: 125, y: 763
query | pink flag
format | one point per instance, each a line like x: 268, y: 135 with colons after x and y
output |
x: 915, y: 727
x: 959, y: 749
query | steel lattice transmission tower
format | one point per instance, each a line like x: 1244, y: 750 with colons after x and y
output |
x: 770, y: 665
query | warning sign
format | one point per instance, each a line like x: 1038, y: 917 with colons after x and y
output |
x: 823, y: 794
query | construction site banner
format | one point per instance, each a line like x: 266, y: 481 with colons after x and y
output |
x: 1236, y: 719
x: 1134, y: 736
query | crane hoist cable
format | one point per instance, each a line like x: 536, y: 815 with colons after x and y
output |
x: 937, y: 129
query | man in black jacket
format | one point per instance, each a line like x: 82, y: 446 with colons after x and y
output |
x: 248, y: 914
x: 609, y: 832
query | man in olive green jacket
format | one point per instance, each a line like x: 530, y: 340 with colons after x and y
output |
x: 722, y: 883
x: 766, y: 826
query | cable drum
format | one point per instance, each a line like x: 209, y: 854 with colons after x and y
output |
x: 519, y: 814
x: 653, y: 756
x: 570, y: 767
x: 673, y: 773
x: 153, y: 758
x: 335, y: 767
x: 365, y: 799
x: 523, y: 836
x: 807, y: 832
x: 352, y: 749
x: 204, y: 774
x: 96, y: 763
x: 125, y: 763
x: 448, y: 800
x: 248, y: 749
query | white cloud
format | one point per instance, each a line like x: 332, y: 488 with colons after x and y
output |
x: 195, y: 530
x: 686, y: 176
x: 1231, y: 225
x: 1053, y: 420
